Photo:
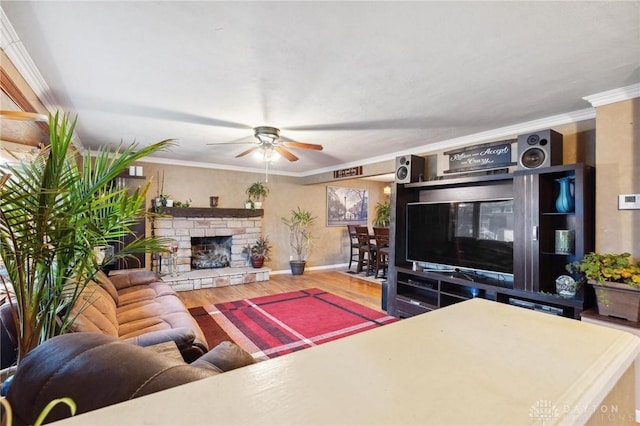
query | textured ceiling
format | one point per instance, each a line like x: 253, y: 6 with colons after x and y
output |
x: 368, y: 80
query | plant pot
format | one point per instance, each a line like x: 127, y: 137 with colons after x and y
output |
x: 297, y: 266
x: 257, y: 261
x: 618, y: 300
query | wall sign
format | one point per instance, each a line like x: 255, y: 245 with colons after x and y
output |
x: 345, y: 173
x: 492, y: 155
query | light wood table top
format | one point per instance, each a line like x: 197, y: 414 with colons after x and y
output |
x: 476, y: 362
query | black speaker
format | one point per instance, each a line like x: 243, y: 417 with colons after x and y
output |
x: 409, y: 168
x: 539, y: 149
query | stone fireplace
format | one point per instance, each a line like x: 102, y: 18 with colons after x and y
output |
x: 210, y: 246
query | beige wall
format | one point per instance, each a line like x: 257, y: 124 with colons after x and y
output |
x: 617, y: 172
x: 285, y: 194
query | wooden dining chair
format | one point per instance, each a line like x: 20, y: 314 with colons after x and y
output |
x: 366, y: 250
x: 355, y: 244
x: 381, y: 236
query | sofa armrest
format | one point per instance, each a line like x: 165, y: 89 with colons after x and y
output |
x: 224, y: 357
x: 183, y: 338
x: 131, y: 279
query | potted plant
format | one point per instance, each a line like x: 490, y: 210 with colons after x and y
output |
x: 259, y: 252
x: 257, y: 192
x: 54, y: 211
x: 383, y: 214
x: 300, y: 237
x: 616, y: 281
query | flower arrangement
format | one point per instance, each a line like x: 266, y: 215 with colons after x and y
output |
x: 612, y: 267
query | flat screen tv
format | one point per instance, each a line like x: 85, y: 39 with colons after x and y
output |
x: 469, y: 235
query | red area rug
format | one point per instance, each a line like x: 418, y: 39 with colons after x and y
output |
x: 275, y: 325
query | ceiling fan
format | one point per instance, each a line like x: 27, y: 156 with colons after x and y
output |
x: 270, y: 142
x: 23, y: 115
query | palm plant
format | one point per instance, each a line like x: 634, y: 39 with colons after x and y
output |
x: 53, y: 213
x: 300, y: 237
x: 383, y: 214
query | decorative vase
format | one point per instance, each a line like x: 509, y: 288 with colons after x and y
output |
x: 565, y: 202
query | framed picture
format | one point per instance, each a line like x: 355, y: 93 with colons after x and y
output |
x: 347, y: 206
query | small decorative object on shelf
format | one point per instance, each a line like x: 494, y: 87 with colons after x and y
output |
x: 565, y: 202
x: 564, y: 241
x: 566, y: 286
x: 213, y: 201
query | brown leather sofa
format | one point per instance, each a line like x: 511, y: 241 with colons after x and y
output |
x: 96, y: 370
x: 138, y: 308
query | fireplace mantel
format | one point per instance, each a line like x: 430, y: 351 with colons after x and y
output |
x: 212, y: 212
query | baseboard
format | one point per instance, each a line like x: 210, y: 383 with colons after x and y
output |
x: 311, y: 268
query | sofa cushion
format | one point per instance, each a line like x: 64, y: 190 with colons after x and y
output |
x: 96, y: 311
x: 149, y: 291
x: 160, y: 313
x: 132, y: 279
x: 106, y: 283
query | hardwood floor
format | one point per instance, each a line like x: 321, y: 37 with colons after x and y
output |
x: 357, y: 290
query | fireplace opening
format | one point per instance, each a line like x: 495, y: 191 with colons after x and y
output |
x: 210, y: 252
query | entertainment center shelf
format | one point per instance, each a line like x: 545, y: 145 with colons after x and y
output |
x: 469, y: 221
x: 419, y: 292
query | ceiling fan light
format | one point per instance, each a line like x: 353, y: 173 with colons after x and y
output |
x: 267, y: 139
x: 267, y: 155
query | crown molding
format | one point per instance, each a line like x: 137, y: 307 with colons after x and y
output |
x: 613, y: 96
x: 173, y: 162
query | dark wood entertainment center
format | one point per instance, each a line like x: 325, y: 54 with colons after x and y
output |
x: 536, y: 263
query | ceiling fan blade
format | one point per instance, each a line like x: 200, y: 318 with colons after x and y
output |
x: 240, y: 141
x: 302, y: 145
x: 286, y: 154
x: 23, y: 116
x: 248, y: 151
